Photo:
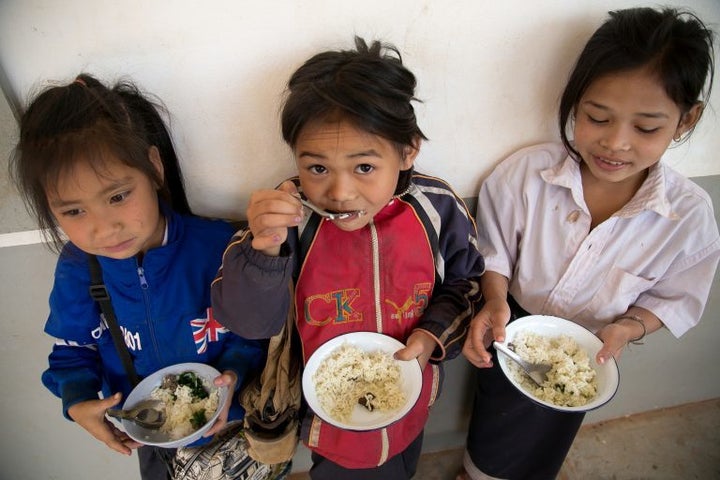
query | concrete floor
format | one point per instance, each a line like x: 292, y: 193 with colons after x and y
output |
x: 679, y: 443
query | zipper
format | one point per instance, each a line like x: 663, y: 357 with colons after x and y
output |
x: 146, y: 300
x: 141, y: 276
x: 374, y: 243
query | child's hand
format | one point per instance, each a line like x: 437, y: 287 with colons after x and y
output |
x: 419, y: 345
x: 486, y: 326
x: 615, y: 338
x: 227, y: 379
x: 90, y: 415
x: 269, y: 214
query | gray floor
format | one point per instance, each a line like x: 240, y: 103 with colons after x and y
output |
x: 675, y: 443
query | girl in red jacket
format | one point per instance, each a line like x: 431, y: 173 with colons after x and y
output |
x: 400, y: 258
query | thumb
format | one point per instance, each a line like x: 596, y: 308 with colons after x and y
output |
x: 409, y: 352
x: 603, y: 355
x: 111, y: 401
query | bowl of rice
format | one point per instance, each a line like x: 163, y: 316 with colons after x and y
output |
x: 575, y: 382
x: 190, y: 400
x: 353, y: 382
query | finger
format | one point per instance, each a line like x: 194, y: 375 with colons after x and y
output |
x: 476, y: 349
x: 607, y: 352
x: 288, y: 187
x: 110, y: 401
x: 498, y: 332
x: 474, y: 357
x: 410, y: 352
x: 132, y: 444
x: 228, y: 378
x: 118, y: 446
x: 265, y: 243
x: 217, y: 426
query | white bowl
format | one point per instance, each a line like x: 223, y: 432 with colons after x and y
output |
x: 607, y: 374
x: 142, y: 392
x: 361, y: 418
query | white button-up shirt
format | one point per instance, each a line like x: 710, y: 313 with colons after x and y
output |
x: 659, y: 252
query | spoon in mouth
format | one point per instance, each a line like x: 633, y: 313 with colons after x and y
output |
x: 329, y: 215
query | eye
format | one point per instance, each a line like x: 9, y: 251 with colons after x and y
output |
x: 119, y: 197
x: 647, y: 130
x: 73, y: 212
x: 364, y: 168
x: 317, y: 169
x: 596, y: 120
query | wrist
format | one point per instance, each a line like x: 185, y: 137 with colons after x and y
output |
x: 634, y: 321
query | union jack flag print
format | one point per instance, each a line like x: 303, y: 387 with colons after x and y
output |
x: 206, y: 330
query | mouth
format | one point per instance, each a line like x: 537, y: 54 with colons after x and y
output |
x: 346, y: 216
x: 118, y: 247
x: 609, y: 163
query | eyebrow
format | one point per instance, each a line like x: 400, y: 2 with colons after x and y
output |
x: 121, y: 183
x: 363, y: 153
x: 640, y: 114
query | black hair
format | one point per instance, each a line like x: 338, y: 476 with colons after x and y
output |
x: 368, y: 86
x: 83, y: 122
x: 675, y: 44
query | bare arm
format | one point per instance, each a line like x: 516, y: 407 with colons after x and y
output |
x: 489, y: 323
x: 629, y: 327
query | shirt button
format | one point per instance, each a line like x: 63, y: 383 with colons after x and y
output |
x: 573, y: 216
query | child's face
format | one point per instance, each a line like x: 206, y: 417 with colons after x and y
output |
x: 343, y: 168
x: 624, y: 123
x: 111, y: 212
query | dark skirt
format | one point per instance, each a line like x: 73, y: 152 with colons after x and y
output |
x: 512, y: 437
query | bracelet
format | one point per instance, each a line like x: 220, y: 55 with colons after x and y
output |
x: 636, y: 319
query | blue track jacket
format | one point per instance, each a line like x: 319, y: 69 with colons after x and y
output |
x: 162, y: 307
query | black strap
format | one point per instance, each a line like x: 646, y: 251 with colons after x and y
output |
x: 100, y: 294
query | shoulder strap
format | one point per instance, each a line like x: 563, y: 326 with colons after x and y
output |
x: 100, y: 294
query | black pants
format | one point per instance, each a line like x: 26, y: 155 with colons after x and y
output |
x: 512, y: 437
x: 400, y: 467
x: 155, y: 462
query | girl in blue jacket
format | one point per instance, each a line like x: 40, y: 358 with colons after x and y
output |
x: 98, y: 164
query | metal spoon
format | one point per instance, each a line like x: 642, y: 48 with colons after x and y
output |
x: 326, y: 214
x: 148, y: 414
x: 536, y: 371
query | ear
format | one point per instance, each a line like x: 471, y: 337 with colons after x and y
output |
x: 689, y: 119
x: 154, y: 156
x: 410, y: 152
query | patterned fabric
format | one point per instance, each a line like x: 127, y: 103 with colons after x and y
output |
x: 225, y: 458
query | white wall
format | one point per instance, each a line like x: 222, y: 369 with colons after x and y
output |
x: 489, y: 73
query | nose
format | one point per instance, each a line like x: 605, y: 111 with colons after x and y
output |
x: 616, y: 138
x: 340, y: 189
x: 104, y: 224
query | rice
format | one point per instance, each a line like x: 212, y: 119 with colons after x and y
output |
x: 183, y: 407
x: 349, y: 376
x: 571, y: 382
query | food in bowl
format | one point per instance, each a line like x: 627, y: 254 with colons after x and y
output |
x: 571, y: 381
x: 189, y: 401
x: 350, y: 376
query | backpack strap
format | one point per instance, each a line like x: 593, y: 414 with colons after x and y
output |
x: 100, y: 294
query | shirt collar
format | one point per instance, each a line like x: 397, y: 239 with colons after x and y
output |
x: 651, y: 196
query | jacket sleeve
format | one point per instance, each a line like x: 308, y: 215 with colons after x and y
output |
x: 242, y: 356
x: 74, y: 373
x: 250, y: 294
x: 457, y: 297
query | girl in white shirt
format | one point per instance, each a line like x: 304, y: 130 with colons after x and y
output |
x: 595, y: 230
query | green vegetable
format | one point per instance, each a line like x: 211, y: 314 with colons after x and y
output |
x: 192, y: 381
x: 198, y: 419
